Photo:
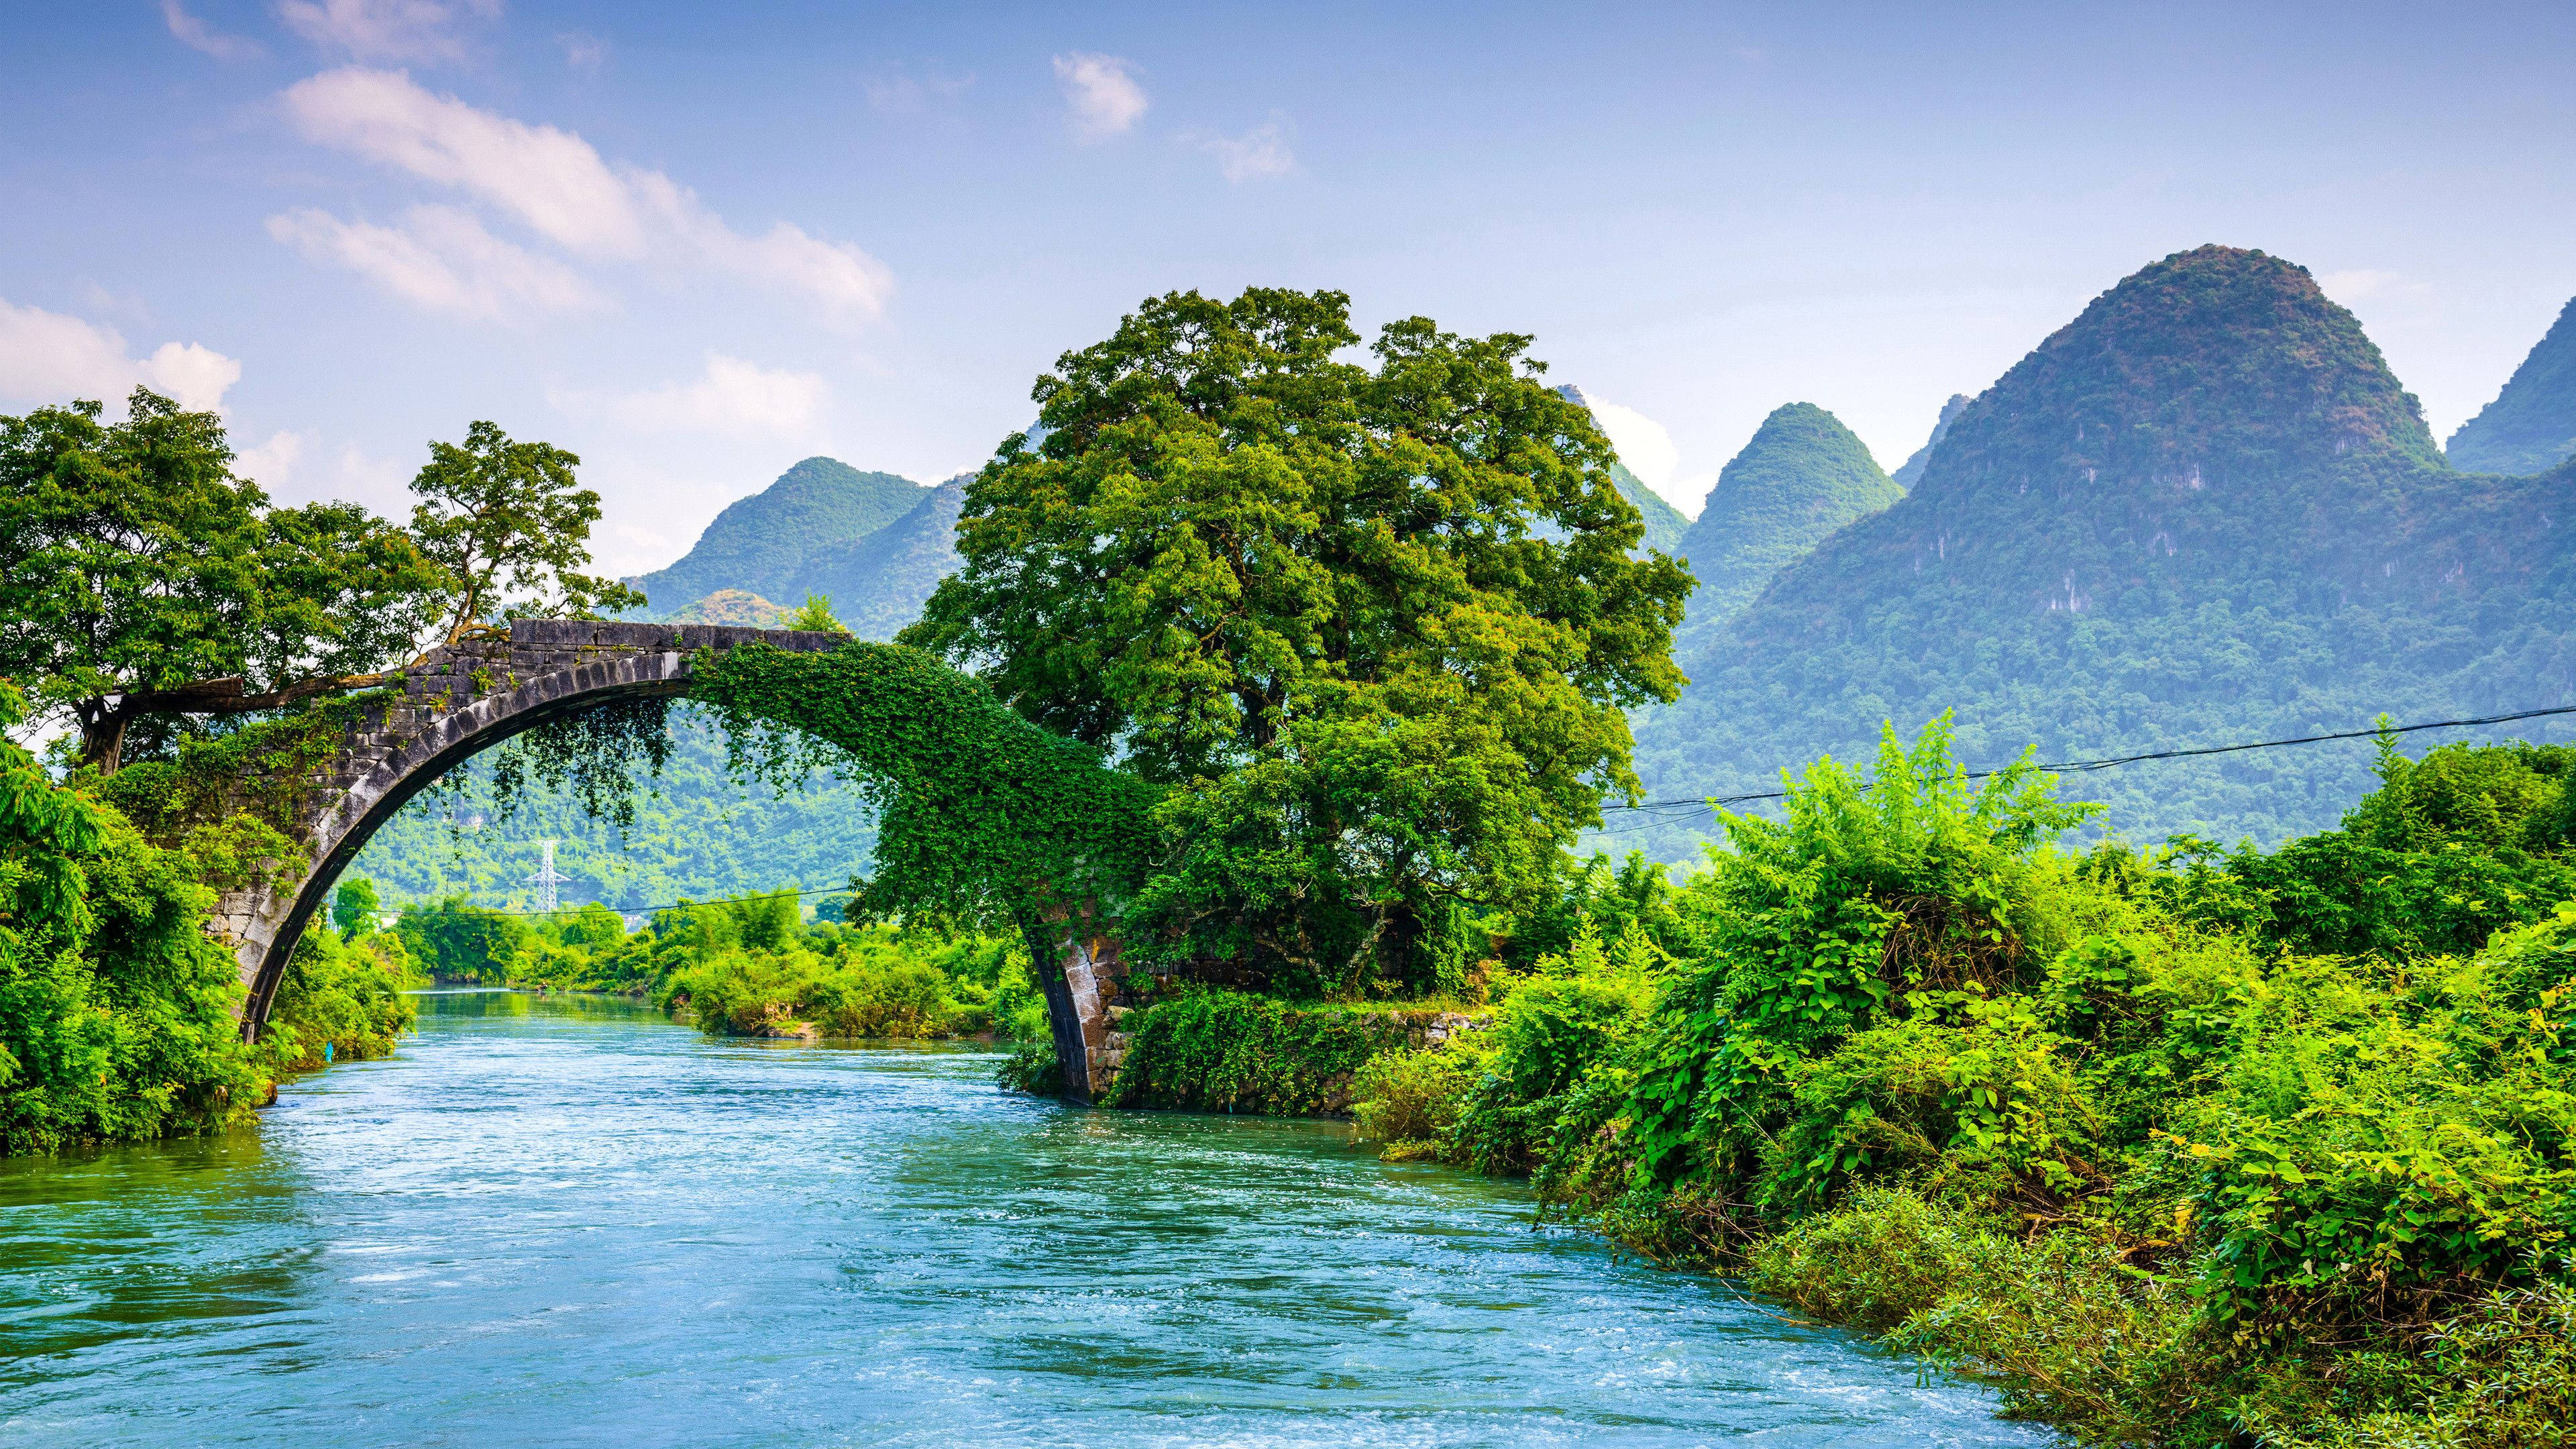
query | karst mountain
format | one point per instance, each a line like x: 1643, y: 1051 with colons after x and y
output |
x: 2202, y: 512
x: 2531, y: 426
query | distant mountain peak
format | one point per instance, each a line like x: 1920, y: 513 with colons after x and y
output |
x: 2203, y: 510
x: 1802, y: 476
x: 1913, y: 467
x: 2531, y: 426
x: 759, y: 543
x: 1665, y: 524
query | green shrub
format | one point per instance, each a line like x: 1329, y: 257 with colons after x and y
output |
x: 1224, y: 1051
x: 344, y: 994
x: 1409, y: 1100
x: 116, y: 1007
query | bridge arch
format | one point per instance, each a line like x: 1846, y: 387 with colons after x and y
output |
x: 458, y: 701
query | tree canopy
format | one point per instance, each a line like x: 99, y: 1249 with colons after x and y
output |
x: 511, y: 532
x: 1374, y: 625
x: 139, y: 579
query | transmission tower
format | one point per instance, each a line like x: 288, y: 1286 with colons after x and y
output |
x: 546, y: 878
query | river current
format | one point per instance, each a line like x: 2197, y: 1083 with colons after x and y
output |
x: 567, y: 1222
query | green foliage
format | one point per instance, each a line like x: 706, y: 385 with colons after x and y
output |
x: 141, y: 581
x: 338, y: 1001
x: 1411, y: 1100
x: 115, y: 1005
x: 751, y: 967
x: 2531, y: 426
x: 1374, y: 628
x: 455, y: 941
x: 2174, y: 1147
x: 815, y: 614
x: 981, y: 814
x: 1209, y: 1050
x: 354, y: 907
x: 2202, y: 513
x: 1802, y: 476
x: 505, y: 525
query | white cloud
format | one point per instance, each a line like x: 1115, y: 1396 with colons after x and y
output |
x: 560, y: 187
x: 1261, y: 151
x: 1643, y: 444
x: 271, y: 464
x: 46, y: 357
x: 198, y: 35
x: 584, y: 53
x: 1103, y: 92
x: 732, y: 398
x: 440, y: 259
x: 385, y: 29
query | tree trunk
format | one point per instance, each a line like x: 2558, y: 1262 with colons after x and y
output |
x: 103, y: 735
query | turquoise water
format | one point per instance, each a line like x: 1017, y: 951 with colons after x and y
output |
x: 568, y: 1222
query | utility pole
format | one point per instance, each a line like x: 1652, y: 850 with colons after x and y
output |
x: 545, y: 879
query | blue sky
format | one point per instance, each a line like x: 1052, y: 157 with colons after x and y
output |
x: 697, y: 243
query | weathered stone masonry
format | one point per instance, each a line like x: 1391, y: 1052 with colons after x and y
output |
x: 458, y: 701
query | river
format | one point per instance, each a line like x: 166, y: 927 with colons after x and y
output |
x: 567, y: 1222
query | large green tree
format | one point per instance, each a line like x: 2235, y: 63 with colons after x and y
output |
x: 141, y: 581
x: 1374, y: 624
x: 505, y: 522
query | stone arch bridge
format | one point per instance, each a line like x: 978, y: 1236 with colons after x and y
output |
x: 458, y: 701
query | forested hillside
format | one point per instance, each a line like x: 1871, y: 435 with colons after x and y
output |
x: 877, y: 583
x: 698, y: 834
x: 2531, y: 426
x: 1801, y: 477
x: 2202, y: 512
x: 760, y: 543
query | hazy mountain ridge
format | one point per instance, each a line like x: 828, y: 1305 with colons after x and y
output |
x: 1912, y: 469
x: 2531, y: 426
x: 2203, y: 511
x: 1665, y: 524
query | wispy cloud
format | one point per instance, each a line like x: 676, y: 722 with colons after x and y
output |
x: 442, y: 259
x: 583, y: 52
x: 898, y: 92
x: 198, y: 35
x: 731, y: 398
x: 1261, y: 151
x: 559, y: 186
x: 1103, y: 93
x: 416, y: 30
x: 46, y: 357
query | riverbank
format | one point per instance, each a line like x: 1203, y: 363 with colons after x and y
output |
x: 552, y: 1220
x: 2181, y: 1147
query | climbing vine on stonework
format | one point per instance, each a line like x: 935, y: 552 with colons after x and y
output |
x: 261, y: 771
x: 980, y: 812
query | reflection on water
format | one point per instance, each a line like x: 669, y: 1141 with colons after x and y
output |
x: 563, y: 1221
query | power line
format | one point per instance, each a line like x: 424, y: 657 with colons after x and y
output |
x: 1678, y: 808
x: 1674, y: 809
